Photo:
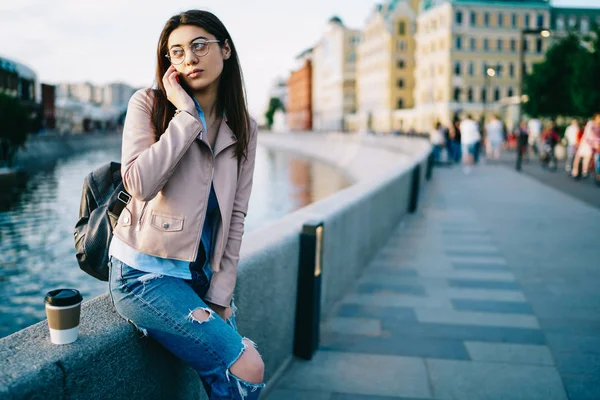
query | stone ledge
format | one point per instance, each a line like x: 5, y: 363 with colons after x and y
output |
x: 110, y: 357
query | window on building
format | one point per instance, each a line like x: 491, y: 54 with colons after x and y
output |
x: 539, y: 46
x: 471, y: 68
x: 470, y: 95
x: 511, y: 70
x: 473, y: 18
x: 499, y: 45
x: 400, y: 45
x: 484, y: 69
x: 526, y: 20
x: 458, y: 42
x: 459, y: 17
x: 525, y: 44
x: 560, y: 23
x: 498, y: 70
x: 400, y: 83
x: 496, y: 94
x: 457, y: 68
x: 585, y: 25
x: 352, y: 57
x: 401, y: 28
x: 513, y: 20
x: 473, y: 44
x: 486, y: 44
x: 510, y: 93
x: 457, y: 93
x: 513, y: 45
x: 572, y: 22
x: 540, y: 20
x: 400, y: 104
x: 500, y: 20
x: 483, y: 95
x: 401, y: 64
x: 486, y: 19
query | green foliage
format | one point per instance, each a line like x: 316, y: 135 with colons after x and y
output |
x: 274, y: 105
x: 14, y: 127
x: 567, y: 83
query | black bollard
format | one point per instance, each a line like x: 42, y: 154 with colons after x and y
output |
x: 308, y: 301
x: 414, y: 189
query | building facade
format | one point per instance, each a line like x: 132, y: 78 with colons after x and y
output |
x: 578, y: 20
x: 334, y: 77
x: 468, y: 55
x: 299, y: 103
x: 385, y: 67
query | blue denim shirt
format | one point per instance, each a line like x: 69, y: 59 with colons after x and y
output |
x: 166, y: 266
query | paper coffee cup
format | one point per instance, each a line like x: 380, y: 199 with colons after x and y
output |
x: 63, y: 308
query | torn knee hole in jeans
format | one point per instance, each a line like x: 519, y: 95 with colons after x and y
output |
x: 252, y: 386
x: 196, y: 315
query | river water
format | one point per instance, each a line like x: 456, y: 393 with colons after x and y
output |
x: 39, y: 210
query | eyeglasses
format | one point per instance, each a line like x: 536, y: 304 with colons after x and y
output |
x: 200, y: 48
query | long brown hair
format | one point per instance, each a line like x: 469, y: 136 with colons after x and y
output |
x: 231, y: 98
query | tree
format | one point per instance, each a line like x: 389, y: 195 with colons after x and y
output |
x: 567, y: 82
x: 14, y: 127
x: 274, y: 105
x: 586, y: 79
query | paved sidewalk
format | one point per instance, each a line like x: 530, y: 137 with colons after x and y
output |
x: 585, y: 190
x: 491, y: 291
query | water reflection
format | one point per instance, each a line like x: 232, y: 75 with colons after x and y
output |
x: 39, y: 209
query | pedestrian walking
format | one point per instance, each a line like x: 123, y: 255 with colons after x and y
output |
x: 571, y: 139
x: 436, y: 137
x: 188, y: 159
x: 495, y: 137
x: 470, y: 137
x: 590, y: 144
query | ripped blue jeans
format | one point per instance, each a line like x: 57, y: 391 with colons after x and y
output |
x: 161, y: 307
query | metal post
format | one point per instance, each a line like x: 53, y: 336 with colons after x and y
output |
x: 521, y: 71
x: 308, y: 300
x: 415, y: 185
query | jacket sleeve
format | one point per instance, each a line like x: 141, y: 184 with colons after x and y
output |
x: 223, y: 281
x: 147, y: 164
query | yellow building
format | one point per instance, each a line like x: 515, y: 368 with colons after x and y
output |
x: 385, y: 66
x: 468, y: 56
x: 334, y: 77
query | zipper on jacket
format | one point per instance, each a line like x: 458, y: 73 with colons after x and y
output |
x: 139, y: 224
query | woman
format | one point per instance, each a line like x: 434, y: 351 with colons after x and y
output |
x: 495, y: 137
x: 590, y: 142
x: 571, y: 138
x: 187, y: 161
x: 436, y: 137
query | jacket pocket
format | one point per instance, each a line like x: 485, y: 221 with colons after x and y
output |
x: 166, y: 223
x: 124, y: 218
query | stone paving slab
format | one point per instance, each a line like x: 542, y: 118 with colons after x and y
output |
x: 510, y: 353
x: 361, y: 374
x: 488, y: 292
x: 470, y: 380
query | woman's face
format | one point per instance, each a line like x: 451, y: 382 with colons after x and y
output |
x: 197, y: 71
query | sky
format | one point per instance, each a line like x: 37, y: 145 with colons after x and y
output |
x: 103, y: 41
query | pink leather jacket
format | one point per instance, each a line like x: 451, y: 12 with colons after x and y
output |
x: 169, y: 181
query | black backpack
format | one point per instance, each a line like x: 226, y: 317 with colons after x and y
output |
x: 102, y: 200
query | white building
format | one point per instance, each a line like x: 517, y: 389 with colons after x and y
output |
x: 334, y: 76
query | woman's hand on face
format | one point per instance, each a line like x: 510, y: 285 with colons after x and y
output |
x: 175, y: 93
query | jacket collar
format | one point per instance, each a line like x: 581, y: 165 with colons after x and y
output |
x: 225, y: 137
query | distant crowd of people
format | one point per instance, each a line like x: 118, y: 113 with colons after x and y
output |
x: 463, y: 141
